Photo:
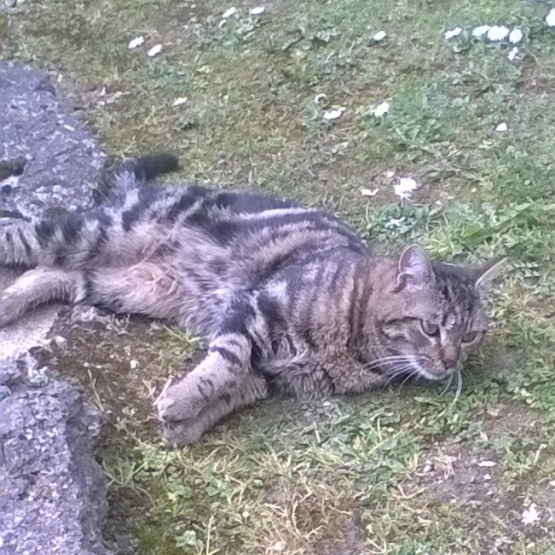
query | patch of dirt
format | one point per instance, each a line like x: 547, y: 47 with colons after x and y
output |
x: 119, y: 362
x: 476, y: 481
x: 452, y: 477
x: 532, y: 82
x: 346, y: 537
x: 328, y: 516
x: 511, y: 418
x: 453, y: 474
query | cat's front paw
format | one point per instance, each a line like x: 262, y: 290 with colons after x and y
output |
x: 180, y: 433
x: 176, y: 402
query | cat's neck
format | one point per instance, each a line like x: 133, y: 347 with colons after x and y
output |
x: 373, y: 281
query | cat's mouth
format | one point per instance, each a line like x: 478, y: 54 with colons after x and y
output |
x: 434, y: 374
x: 404, y: 366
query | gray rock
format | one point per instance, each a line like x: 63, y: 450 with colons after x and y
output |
x: 62, y: 160
x: 52, y: 491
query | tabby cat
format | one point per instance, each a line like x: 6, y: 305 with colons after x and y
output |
x: 289, y: 298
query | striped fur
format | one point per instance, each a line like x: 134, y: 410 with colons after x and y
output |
x: 289, y: 298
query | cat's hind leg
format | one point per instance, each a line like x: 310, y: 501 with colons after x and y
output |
x: 69, y: 240
x: 18, y: 242
x: 39, y: 286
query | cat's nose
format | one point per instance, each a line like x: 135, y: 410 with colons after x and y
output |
x: 450, y: 357
x: 450, y: 363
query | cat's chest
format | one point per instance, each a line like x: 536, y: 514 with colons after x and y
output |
x: 277, y: 361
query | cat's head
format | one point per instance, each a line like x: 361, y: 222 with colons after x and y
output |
x: 431, y: 315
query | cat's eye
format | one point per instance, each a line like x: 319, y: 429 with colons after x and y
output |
x: 470, y: 337
x: 428, y: 328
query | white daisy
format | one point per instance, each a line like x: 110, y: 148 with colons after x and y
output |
x: 530, y: 515
x: 497, y: 33
x: 335, y: 113
x: 137, y: 41
x: 515, y: 36
x: 453, y: 33
x: 229, y: 12
x: 381, y: 110
x: 480, y: 31
x: 405, y: 187
x: 155, y: 50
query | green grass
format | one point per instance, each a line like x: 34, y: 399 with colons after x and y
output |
x: 395, y: 472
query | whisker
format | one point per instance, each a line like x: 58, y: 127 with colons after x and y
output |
x: 392, y: 358
x: 400, y: 371
x: 447, y: 386
x: 397, y: 370
x: 411, y: 374
x: 459, y: 387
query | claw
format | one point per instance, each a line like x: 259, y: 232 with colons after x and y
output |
x: 180, y: 433
x: 176, y: 402
x: 158, y: 399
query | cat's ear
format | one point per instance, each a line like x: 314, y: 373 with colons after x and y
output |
x: 413, y: 269
x: 486, y: 274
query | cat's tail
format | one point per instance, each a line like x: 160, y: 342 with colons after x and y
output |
x: 147, y: 168
x: 134, y: 172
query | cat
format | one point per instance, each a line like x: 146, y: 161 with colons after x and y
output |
x: 289, y: 299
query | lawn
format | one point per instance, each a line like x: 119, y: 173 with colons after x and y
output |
x: 410, y: 470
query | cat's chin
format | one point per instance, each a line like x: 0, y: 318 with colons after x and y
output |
x: 433, y: 376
